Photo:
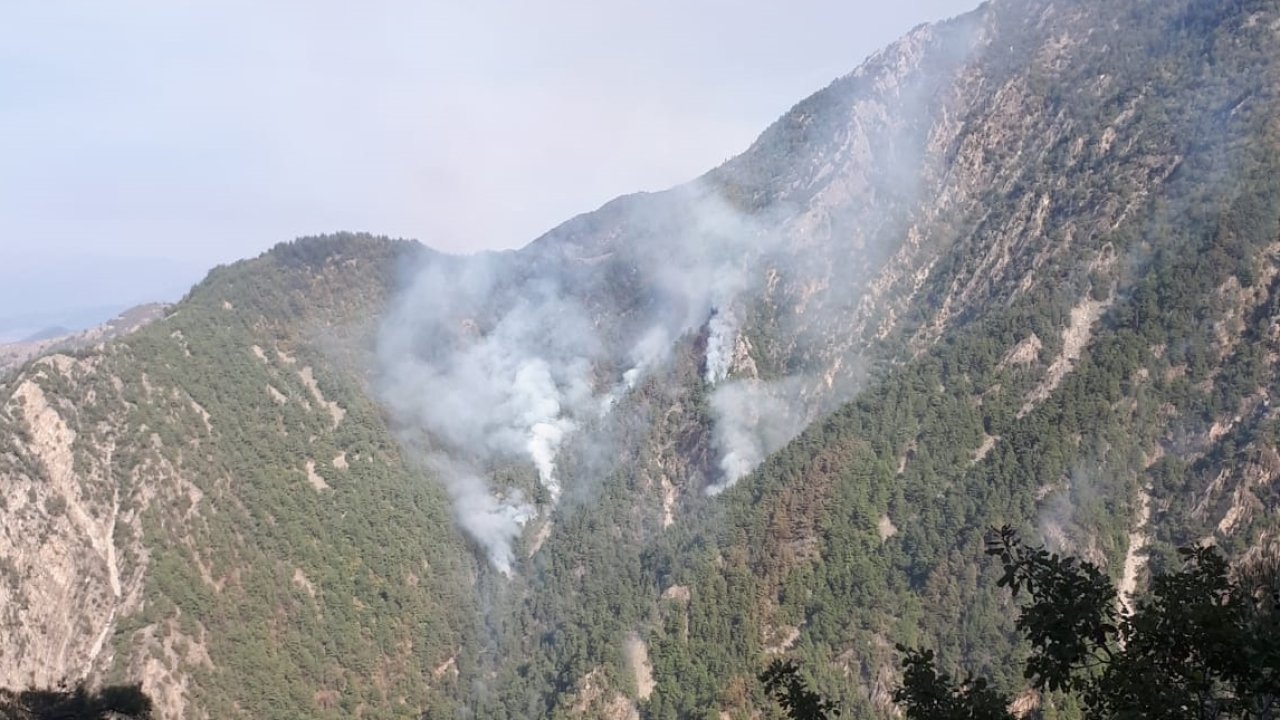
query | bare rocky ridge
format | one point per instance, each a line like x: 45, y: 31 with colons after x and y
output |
x: 72, y: 530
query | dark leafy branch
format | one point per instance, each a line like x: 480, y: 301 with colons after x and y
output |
x: 1204, y: 644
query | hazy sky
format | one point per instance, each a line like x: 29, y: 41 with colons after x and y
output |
x: 143, y: 142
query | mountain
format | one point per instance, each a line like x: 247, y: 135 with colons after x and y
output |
x: 46, y: 334
x: 1020, y: 267
x: 25, y: 326
x: 54, y: 338
x: 212, y: 504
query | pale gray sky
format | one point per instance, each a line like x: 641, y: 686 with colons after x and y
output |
x: 145, y: 141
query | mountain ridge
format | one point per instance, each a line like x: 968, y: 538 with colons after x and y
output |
x: 1032, y: 285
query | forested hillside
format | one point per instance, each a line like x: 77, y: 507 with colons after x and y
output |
x: 1074, y: 335
x: 1021, y: 267
x: 213, y: 506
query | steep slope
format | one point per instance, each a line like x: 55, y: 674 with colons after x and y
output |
x: 213, y: 506
x: 1018, y: 267
x: 1036, y: 243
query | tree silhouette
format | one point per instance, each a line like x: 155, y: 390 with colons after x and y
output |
x: 114, y: 702
x: 1204, y: 644
x: 782, y: 680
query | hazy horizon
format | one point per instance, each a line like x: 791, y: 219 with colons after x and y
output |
x: 148, y: 142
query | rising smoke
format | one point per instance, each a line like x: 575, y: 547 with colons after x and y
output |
x: 500, y: 358
x: 753, y: 419
x: 507, y: 358
x: 487, y: 375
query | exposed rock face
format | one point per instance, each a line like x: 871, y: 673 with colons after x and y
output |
x: 66, y: 583
x: 637, y: 652
x: 1074, y: 339
x: 63, y: 580
x: 73, y: 545
x: 1133, y: 559
x: 221, y: 482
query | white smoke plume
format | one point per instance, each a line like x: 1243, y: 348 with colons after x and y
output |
x: 502, y: 357
x: 513, y: 357
x: 486, y: 386
x: 494, y: 523
x: 722, y: 332
x: 754, y: 418
x: 653, y: 348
